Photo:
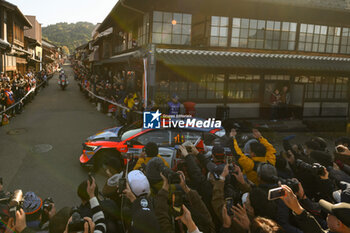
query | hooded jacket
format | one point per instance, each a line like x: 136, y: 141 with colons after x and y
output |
x: 249, y: 164
x: 145, y: 160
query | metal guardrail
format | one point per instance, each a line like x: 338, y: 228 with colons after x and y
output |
x: 111, y: 102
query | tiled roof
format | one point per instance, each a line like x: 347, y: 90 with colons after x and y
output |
x: 333, y: 4
x: 222, y: 59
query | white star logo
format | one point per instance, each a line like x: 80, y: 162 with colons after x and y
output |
x: 155, y: 115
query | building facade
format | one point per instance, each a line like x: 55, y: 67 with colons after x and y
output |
x: 234, y: 53
x: 13, y: 23
x: 33, y: 38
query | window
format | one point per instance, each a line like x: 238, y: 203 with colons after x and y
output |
x: 215, y: 86
x: 191, y: 135
x: 333, y: 39
x: 243, y: 87
x: 288, y: 34
x: 206, y: 86
x: 143, y: 31
x: 324, y: 87
x: 171, y: 28
x: 345, y: 41
x: 262, y: 34
x: 341, y: 88
x: 272, y: 35
x: 160, y: 137
x: 219, y: 31
x: 317, y: 38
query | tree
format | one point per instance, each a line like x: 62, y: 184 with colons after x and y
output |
x: 70, y: 35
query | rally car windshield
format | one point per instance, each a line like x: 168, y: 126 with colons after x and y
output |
x: 126, y: 128
x: 130, y: 133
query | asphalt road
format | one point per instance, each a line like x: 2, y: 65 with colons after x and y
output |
x: 61, y: 119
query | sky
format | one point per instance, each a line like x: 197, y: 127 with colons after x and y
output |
x: 70, y: 11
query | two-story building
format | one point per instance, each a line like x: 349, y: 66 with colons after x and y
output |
x: 50, y: 56
x: 234, y: 53
x: 12, y: 25
x: 33, y: 38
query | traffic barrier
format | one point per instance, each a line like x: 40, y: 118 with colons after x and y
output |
x: 111, y: 102
x: 21, y: 100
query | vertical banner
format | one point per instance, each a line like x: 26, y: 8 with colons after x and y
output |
x: 145, y: 97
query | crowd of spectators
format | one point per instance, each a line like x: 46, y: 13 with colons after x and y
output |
x: 15, y: 86
x: 123, y: 89
x: 206, y: 191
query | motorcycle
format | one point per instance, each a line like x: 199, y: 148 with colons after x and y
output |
x: 63, y: 82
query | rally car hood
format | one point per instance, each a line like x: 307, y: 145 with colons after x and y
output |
x: 110, y: 134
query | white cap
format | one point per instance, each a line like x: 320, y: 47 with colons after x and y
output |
x: 138, y: 183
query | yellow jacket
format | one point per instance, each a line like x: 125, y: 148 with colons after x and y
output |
x: 248, y: 163
x: 145, y: 160
x: 129, y: 102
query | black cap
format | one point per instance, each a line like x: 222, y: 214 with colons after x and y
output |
x: 341, y: 211
x: 218, y: 152
x: 151, y: 149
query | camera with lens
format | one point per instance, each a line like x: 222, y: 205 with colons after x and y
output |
x: 77, y: 223
x: 47, y: 204
x: 315, y: 169
x: 16, y: 202
x: 293, y: 184
x: 173, y: 177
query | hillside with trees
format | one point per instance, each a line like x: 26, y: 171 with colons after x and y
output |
x: 71, y: 35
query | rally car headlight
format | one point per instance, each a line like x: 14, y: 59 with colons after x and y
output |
x: 90, y: 148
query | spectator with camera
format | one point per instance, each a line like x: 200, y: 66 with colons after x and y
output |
x: 13, y: 223
x: 338, y: 219
x: 267, y: 177
x: 260, y: 152
x: 38, y: 212
x: 313, y: 169
x: 182, y: 207
x: 97, y: 224
x: 114, y: 169
x: 143, y: 219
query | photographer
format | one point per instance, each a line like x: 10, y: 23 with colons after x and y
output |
x: 9, y: 224
x: 114, y: 170
x: 195, y: 207
x: 143, y: 219
x: 312, y: 171
x: 260, y: 152
x: 223, y: 191
x: 338, y: 215
x: 97, y: 224
x: 267, y: 177
x: 38, y: 212
x: 195, y: 177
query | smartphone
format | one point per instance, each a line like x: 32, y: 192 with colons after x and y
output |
x: 177, y: 202
x: 339, y: 149
x: 121, y: 185
x: 229, y: 159
x: 90, y: 177
x: 229, y: 204
x: 276, y: 193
